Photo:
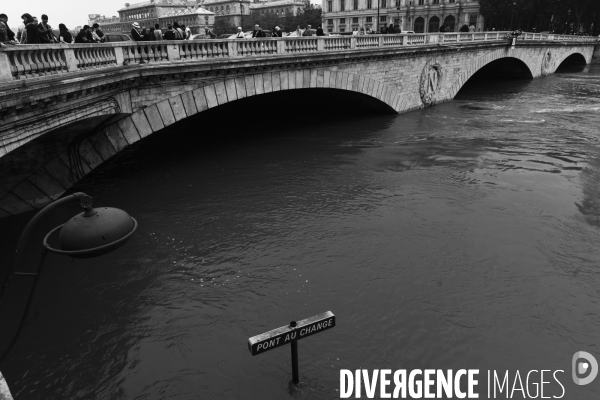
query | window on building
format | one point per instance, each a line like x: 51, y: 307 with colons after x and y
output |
x: 342, y: 21
x: 329, y: 6
x: 342, y: 5
x: 369, y: 20
x: 436, y: 1
x: 369, y: 4
x: 356, y: 4
x: 383, y: 3
x: 421, y: 2
x: 355, y: 20
x: 342, y: 29
x: 450, y: 1
x: 383, y: 19
x: 329, y: 22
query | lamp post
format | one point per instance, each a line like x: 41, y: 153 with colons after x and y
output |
x: 512, y: 15
x: 568, y: 18
x: 94, y: 232
x: 408, y: 15
x: 242, y: 15
x: 378, y: 1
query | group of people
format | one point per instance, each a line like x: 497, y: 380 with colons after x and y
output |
x: 258, y: 32
x: 384, y: 30
x: 31, y: 31
x: 466, y: 28
x: 173, y: 32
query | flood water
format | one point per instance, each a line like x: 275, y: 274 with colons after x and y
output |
x: 463, y: 235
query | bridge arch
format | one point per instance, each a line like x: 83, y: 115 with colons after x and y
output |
x: 49, y: 181
x: 573, y: 57
x: 499, y: 54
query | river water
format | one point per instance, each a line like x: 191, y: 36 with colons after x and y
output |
x: 463, y: 235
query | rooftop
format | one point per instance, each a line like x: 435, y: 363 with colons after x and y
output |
x: 164, y: 3
x: 188, y: 11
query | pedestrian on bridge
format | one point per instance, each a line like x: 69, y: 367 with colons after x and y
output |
x: 157, y: 32
x: 64, y: 36
x: 82, y: 35
x: 21, y: 29
x: 46, y: 35
x: 6, y: 35
x: 32, y: 32
x: 169, y: 33
x: 258, y: 32
x: 136, y: 32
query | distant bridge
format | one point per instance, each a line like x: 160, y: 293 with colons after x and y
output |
x: 65, y: 109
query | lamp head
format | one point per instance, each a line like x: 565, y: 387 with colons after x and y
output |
x: 94, y: 232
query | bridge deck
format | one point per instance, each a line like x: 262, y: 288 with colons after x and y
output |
x: 28, y: 63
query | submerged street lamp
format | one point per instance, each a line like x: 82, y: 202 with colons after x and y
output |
x: 94, y: 232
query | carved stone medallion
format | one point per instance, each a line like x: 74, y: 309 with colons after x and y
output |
x: 431, y: 82
x: 547, y: 63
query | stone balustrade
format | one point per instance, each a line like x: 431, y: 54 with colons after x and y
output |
x: 33, y: 61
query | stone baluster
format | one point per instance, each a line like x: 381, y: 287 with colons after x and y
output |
x: 232, y: 48
x: 173, y: 52
x: 5, y: 68
x: 320, y: 44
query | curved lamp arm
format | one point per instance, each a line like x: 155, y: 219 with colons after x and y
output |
x: 18, y: 254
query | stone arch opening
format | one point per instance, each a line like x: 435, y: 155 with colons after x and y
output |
x: 34, y: 186
x: 434, y: 24
x: 419, y: 25
x: 503, y: 68
x: 450, y: 22
x: 574, y: 62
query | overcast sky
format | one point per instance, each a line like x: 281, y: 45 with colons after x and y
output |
x: 72, y: 13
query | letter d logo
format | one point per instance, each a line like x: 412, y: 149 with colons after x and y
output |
x: 582, y: 368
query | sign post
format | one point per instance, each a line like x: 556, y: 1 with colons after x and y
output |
x: 291, y: 333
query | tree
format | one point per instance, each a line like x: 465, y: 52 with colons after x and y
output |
x: 223, y: 26
x: 309, y: 15
x: 544, y: 15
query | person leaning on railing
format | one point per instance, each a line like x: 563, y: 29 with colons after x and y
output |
x: 6, y: 35
x: 97, y: 34
x: 32, y: 32
x: 46, y: 34
x: 64, y: 36
x: 169, y: 33
x: 82, y: 36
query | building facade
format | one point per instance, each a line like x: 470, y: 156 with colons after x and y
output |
x: 420, y: 16
x: 232, y: 11
x: 278, y: 7
x: 149, y: 13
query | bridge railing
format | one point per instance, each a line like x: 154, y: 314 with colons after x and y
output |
x: 32, y: 61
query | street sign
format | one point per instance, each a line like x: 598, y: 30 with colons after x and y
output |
x: 287, y: 334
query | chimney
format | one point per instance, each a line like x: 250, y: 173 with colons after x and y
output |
x: 126, y: 5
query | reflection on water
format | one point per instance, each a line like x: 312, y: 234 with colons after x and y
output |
x: 459, y: 236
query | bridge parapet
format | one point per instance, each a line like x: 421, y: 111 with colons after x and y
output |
x: 24, y: 62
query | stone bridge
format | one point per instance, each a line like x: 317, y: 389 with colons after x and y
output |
x: 65, y: 109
